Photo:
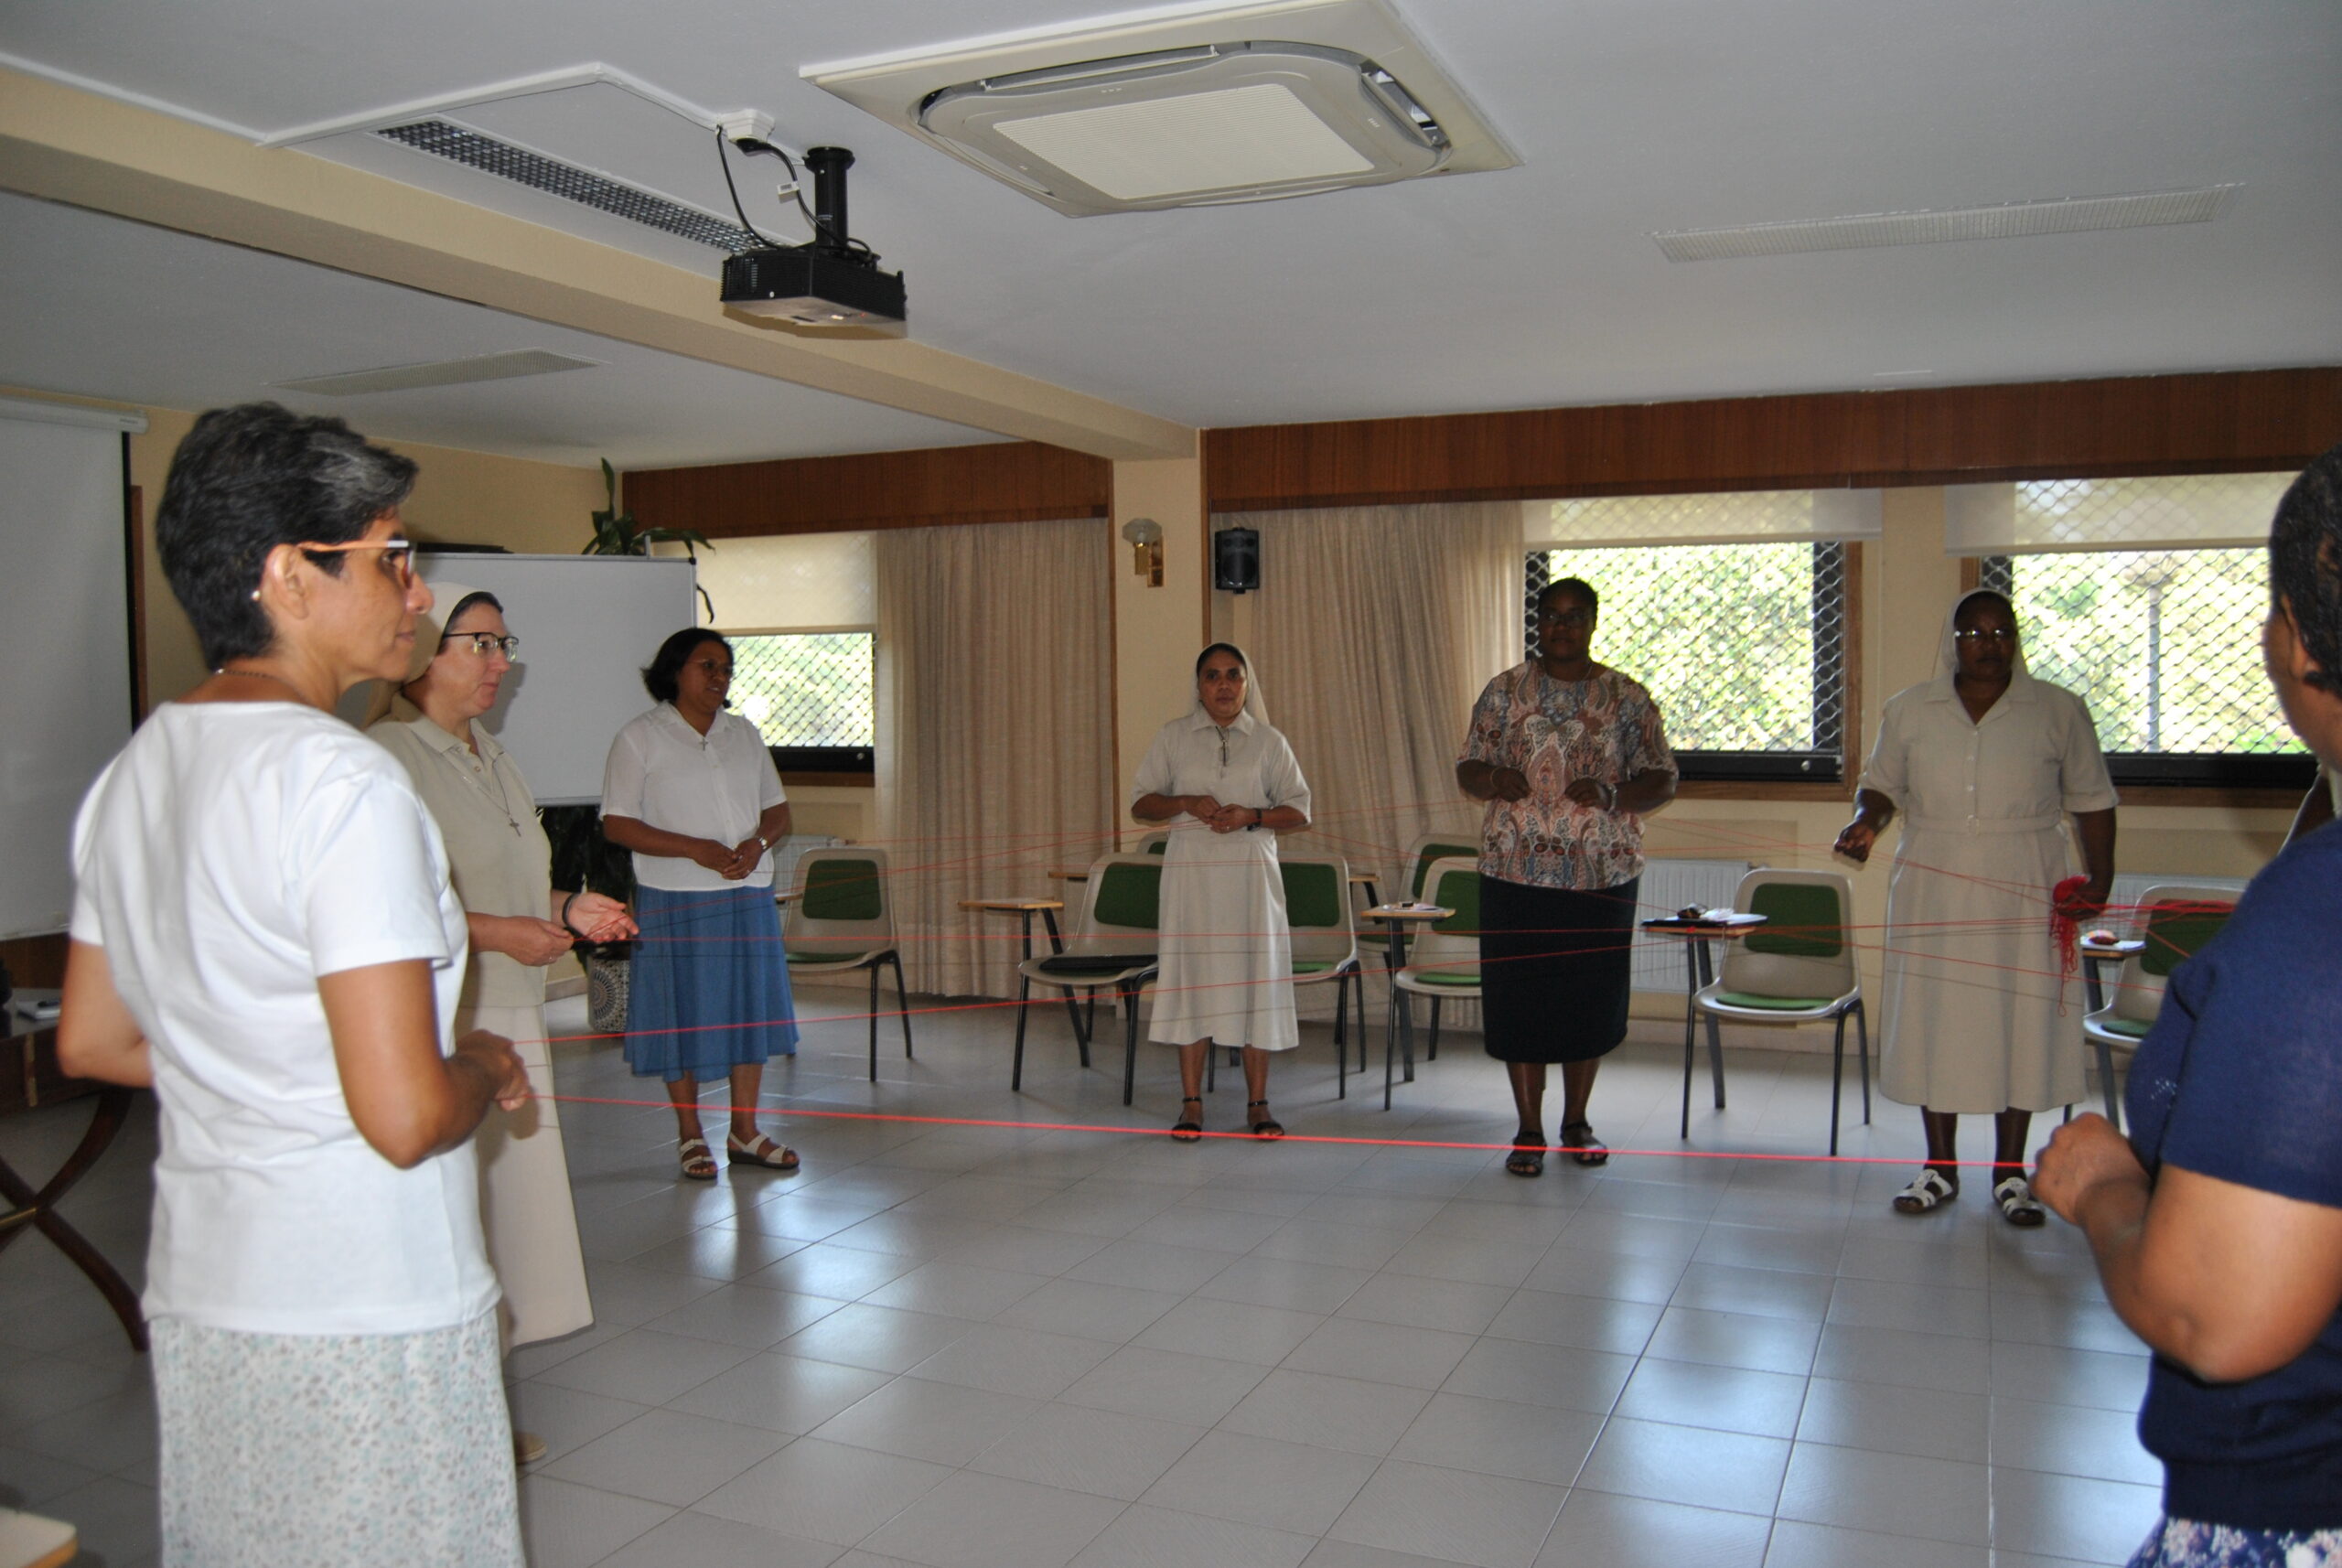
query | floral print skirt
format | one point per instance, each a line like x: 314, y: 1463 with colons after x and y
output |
x: 355, y: 1450
x: 2188, y: 1543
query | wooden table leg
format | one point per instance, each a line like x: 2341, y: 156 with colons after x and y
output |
x: 37, y: 1211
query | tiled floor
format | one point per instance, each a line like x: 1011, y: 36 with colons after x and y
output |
x: 964, y: 1346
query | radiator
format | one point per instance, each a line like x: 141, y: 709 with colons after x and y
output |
x: 1669, y: 885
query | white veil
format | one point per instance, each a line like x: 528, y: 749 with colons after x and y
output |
x: 1252, y: 703
x: 1948, y: 651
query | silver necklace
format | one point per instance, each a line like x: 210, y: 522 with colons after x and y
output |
x: 266, y: 675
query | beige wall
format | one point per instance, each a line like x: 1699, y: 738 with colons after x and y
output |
x: 467, y: 498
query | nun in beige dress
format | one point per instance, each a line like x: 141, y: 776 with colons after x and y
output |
x: 1226, y: 783
x: 500, y: 865
x: 1977, y: 1016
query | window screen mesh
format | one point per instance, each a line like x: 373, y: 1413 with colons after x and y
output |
x: 808, y: 689
x: 1743, y: 646
x: 2164, y: 645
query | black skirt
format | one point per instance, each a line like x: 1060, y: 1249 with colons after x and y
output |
x: 1556, y: 970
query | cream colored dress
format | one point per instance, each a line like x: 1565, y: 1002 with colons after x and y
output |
x: 501, y: 865
x: 1226, y: 951
x: 1977, y: 1016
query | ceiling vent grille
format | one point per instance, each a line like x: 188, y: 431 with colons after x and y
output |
x: 2012, y: 221
x: 460, y: 144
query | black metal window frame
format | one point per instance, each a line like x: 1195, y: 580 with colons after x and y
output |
x: 861, y: 760
x: 2215, y: 770
x: 1825, y: 762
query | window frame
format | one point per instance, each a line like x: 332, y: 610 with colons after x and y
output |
x: 2292, y: 771
x: 1836, y: 625
x: 853, y: 765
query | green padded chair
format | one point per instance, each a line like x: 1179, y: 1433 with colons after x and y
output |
x: 1444, y: 958
x: 842, y: 920
x: 1325, y: 944
x: 1113, y: 945
x: 2176, y: 921
x: 1798, y: 967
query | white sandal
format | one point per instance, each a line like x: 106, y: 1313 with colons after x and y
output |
x: 698, y: 1164
x: 1929, y: 1191
x: 2017, y: 1206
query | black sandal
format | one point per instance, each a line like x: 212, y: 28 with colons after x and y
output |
x: 1584, y: 1148
x: 1185, y: 1131
x: 1528, y: 1157
x: 1267, y: 1126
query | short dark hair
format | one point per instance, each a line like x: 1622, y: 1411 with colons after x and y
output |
x: 2306, y: 564
x: 247, y: 479
x: 1578, y: 585
x: 659, y: 675
x: 1228, y: 648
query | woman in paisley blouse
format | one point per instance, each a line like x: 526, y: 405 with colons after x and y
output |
x: 1568, y: 753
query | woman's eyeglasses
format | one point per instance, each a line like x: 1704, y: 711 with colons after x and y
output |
x: 398, y: 554
x: 485, y: 643
x: 1985, y: 633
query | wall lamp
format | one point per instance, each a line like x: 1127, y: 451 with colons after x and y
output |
x: 1146, y: 536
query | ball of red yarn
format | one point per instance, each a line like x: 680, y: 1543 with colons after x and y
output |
x: 2067, y: 908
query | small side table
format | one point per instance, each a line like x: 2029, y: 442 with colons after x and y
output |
x: 1025, y: 909
x: 2096, y: 954
x: 1700, y: 962
x: 30, y: 1208
x: 1399, y: 1025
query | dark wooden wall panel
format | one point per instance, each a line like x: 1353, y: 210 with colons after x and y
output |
x: 1021, y: 481
x: 2213, y: 423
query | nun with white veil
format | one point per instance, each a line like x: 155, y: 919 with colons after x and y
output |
x: 1985, y: 764
x: 1227, y: 785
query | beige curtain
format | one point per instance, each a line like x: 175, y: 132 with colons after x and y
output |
x: 996, y: 732
x: 1379, y: 628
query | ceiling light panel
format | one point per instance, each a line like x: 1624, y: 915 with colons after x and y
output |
x: 2011, y: 220
x: 1190, y: 105
x: 501, y: 367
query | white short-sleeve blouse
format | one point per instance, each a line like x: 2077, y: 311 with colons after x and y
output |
x: 713, y: 786
x: 228, y: 857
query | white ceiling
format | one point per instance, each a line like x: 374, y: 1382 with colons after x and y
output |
x: 1531, y: 288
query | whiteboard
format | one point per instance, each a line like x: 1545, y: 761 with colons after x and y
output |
x: 588, y: 624
x: 66, y: 703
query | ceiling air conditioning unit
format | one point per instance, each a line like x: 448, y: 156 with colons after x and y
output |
x: 1191, y: 106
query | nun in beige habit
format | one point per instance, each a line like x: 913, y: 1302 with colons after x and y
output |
x: 1985, y: 765
x: 501, y: 865
x: 1227, y: 785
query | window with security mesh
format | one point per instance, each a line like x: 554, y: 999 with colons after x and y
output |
x: 2165, y: 646
x: 812, y: 695
x: 1742, y: 646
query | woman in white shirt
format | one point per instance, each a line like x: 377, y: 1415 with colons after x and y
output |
x: 692, y: 792
x: 264, y: 932
x: 501, y: 866
x: 1985, y: 763
x: 1228, y: 784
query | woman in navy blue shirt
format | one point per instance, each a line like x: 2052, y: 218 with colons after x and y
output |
x: 2218, y: 1224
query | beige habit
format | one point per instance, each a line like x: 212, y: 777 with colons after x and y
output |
x: 501, y: 864
x: 1977, y: 1017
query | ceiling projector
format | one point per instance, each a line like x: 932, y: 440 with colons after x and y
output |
x: 831, y: 280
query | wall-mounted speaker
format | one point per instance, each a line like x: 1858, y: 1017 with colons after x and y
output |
x: 1236, y: 560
